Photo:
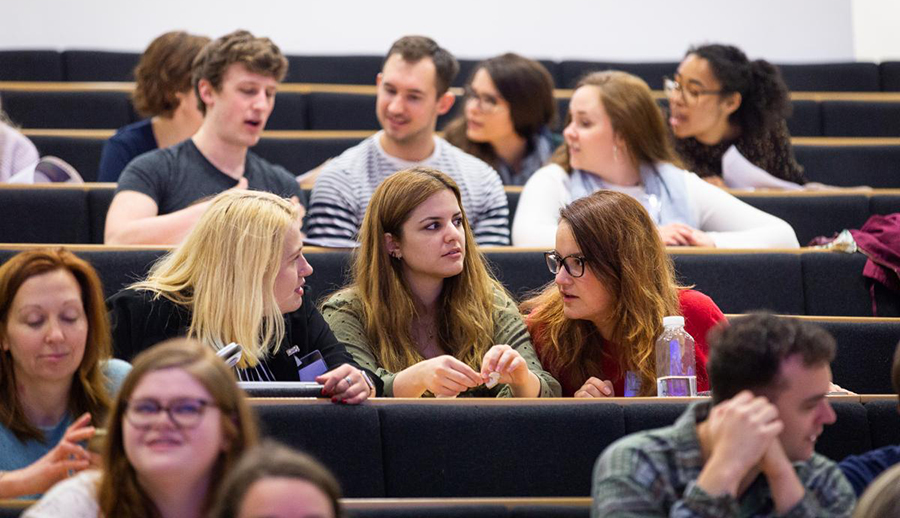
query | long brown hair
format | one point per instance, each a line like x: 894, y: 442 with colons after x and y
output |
x: 89, y: 386
x: 528, y: 88
x: 633, y: 115
x: 466, y: 303
x: 624, y: 251
x: 120, y: 494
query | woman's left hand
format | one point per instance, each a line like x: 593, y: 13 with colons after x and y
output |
x: 345, y: 384
x: 701, y: 238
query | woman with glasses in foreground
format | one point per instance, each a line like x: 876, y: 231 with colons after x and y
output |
x: 179, y: 424
x: 508, y: 107
x: 595, y: 328
x: 616, y: 138
x: 727, y: 112
x: 422, y: 311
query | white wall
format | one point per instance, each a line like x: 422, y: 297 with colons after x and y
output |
x: 876, y: 28
x: 641, y: 30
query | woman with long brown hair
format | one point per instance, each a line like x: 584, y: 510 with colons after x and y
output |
x: 507, y: 112
x: 596, y: 326
x: 422, y: 311
x: 56, y: 371
x: 178, y: 426
x: 616, y: 138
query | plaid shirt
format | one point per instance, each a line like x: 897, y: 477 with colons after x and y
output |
x: 654, y: 473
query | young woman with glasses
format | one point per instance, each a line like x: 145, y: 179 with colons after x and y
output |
x: 616, y: 138
x: 179, y: 425
x: 422, y: 310
x: 721, y: 102
x: 508, y: 107
x: 595, y: 327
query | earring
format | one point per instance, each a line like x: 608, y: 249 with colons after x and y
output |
x: 616, y: 153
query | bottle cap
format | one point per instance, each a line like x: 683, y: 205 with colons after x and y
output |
x: 673, y: 321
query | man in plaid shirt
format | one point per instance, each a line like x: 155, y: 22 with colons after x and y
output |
x: 750, y: 452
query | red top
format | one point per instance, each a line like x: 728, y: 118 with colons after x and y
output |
x: 700, y: 315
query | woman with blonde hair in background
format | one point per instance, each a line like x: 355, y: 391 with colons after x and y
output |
x: 239, y: 277
x: 422, y: 311
x: 616, y: 138
x: 57, y: 376
x: 179, y: 425
x: 595, y: 327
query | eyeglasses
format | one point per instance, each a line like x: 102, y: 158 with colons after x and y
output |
x: 485, y: 103
x: 185, y: 413
x: 573, y: 264
x: 689, y: 94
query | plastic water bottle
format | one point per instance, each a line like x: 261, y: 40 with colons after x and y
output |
x: 676, y: 368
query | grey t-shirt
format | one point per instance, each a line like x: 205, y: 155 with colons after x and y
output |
x: 177, y: 176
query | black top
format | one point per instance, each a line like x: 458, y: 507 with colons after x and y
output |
x: 178, y: 176
x: 139, y: 322
x: 770, y: 150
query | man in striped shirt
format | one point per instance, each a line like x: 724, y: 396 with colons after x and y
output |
x: 751, y: 453
x: 413, y: 90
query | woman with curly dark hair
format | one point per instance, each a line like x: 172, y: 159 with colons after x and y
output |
x: 728, y: 113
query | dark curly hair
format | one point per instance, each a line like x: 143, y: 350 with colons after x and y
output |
x: 765, y: 99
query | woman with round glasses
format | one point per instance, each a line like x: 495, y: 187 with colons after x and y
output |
x: 57, y: 377
x: 509, y: 106
x: 596, y: 326
x: 728, y: 113
x: 179, y: 424
x: 239, y: 276
x: 422, y: 311
x: 616, y: 138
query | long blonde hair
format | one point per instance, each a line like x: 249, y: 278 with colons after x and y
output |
x: 119, y: 492
x: 633, y: 115
x: 465, y: 314
x: 224, y: 273
x: 624, y: 251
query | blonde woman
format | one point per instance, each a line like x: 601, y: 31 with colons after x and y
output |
x: 422, y: 311
x: 179, y: 425
x: 239, y: 277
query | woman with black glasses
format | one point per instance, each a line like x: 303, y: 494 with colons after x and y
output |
x: 595, y: 327
x: 179, y: 425
x: 507, y: 112
x: 727, y: 113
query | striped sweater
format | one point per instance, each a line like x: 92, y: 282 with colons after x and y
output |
x: 343, y: 189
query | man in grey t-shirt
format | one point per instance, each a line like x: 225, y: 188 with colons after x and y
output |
x: 156, y: 202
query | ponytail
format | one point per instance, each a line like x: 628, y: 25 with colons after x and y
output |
x: 765, y: 100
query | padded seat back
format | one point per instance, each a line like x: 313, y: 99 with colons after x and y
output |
x: 847, y: 166
x: 31, y: 65
x: 349, y: 70
x: 860, y: 119
x: 493, y: 450
x: 346, y: 439
x: 290, y: 112
x: 832, y: 77
x: 44, y: 216
x: 339, y: 111
x: 814, y: 216
x: 652, y: 73
x: 805, y: 119
x: 331, y: 271
x: 68, y: 110
x: 99, y: 201
x: 461, y: 511
x: 890, y: 76
x: 300, y: 155
x: 522, y: 272
x: 98, y: 65
x: 864, y: 355
x: 884, y: 203
x: 833, y: 285
x: 82, y: 153
x: 884, y: 422
x: 740, y: 282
